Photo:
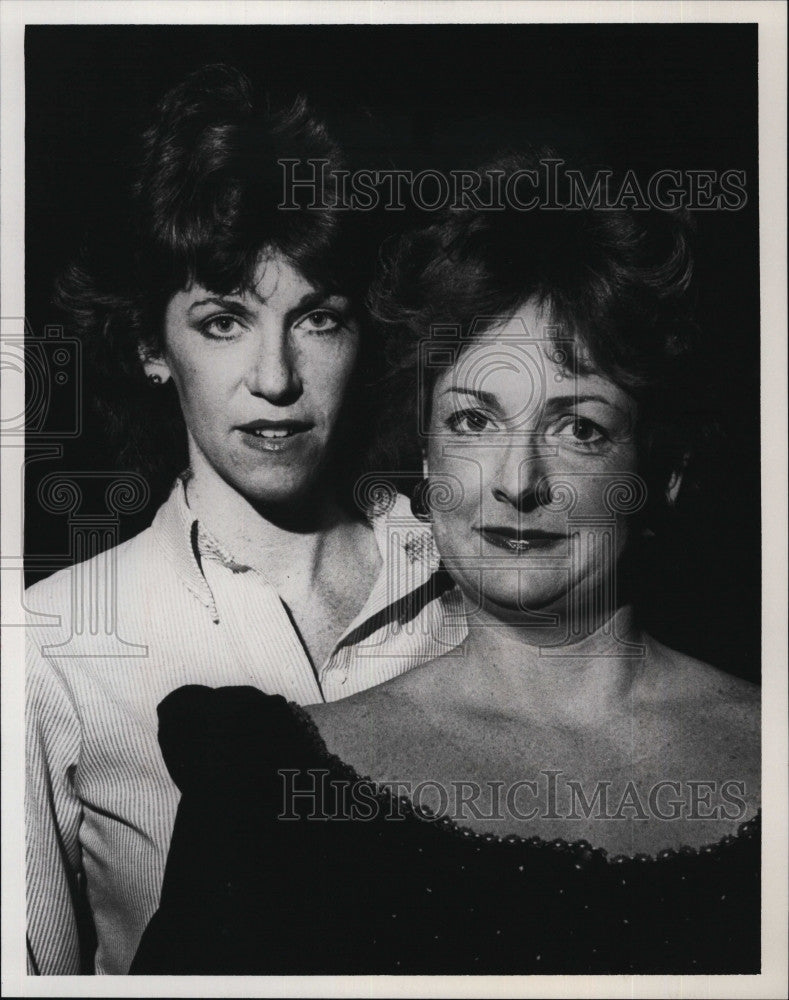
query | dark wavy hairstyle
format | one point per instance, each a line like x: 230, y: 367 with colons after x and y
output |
x: 201, y: 205
x: 615, y: 283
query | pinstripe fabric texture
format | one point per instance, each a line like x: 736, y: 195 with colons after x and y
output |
x: 107, y: 640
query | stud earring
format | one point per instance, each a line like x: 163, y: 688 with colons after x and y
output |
x: 155, y: 379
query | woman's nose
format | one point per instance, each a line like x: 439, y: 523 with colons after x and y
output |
x: 274, y: 370
x: 518, y: 471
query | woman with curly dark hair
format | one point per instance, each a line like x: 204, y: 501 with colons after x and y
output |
x: 561, y: 793
x: 229, y: 339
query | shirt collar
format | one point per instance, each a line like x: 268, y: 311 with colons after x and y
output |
x: 177, y: 531
x: 408, y: 552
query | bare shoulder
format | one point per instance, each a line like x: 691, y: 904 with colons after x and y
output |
x: 357, y: 729
x: 375, y: 728
x: 707, y: 716
x: 684, y: 678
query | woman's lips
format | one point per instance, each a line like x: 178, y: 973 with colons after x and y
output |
x: 273, y: 435
x: 515, y: 541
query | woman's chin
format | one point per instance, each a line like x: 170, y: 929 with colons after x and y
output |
x: 554, y: 618
x: 535, y: 610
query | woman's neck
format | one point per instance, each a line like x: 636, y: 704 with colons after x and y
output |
x: 289, y: 549
x: 524, y: 669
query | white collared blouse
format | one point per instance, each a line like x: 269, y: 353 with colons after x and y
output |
x: 109, y: 638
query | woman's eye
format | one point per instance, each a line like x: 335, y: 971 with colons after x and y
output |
x: 223, y: 327
x: 469, y: 422
x: 581, y: 431
x: 320, y: 321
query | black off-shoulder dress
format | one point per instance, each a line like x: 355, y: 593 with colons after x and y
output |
x: 392, y: 891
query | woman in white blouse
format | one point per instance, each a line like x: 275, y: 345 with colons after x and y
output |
x: 230, y: 335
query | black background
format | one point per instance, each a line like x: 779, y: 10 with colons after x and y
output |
x: 644, y: 97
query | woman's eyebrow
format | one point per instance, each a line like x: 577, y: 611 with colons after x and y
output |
x: 552, y: 403
x: 556, y: 402
x: 488, y: 398
x: 232, y: 305
x: 310, y: 300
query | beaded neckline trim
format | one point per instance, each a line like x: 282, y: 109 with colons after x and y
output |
x: 581, y: 849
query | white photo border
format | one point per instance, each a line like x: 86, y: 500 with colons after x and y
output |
x: 771, y: 18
